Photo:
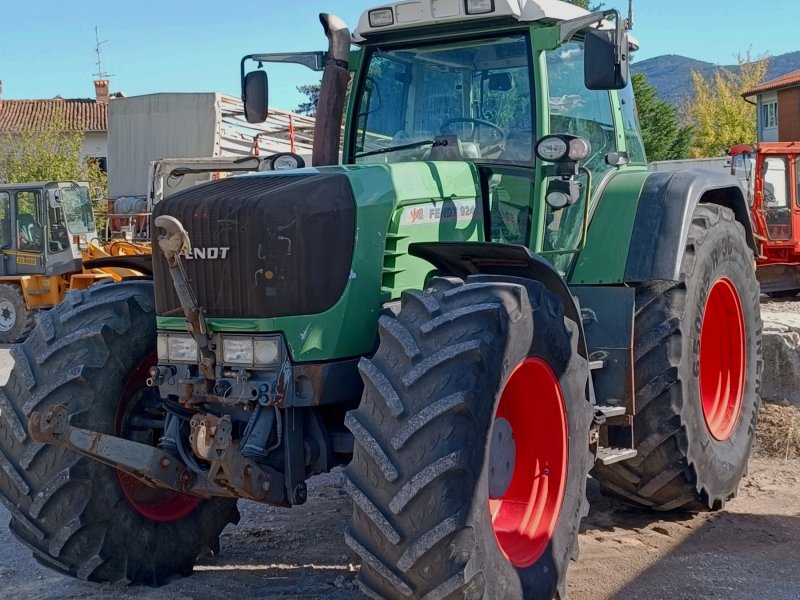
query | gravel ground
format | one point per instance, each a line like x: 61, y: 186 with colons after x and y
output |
x: 781, y: 305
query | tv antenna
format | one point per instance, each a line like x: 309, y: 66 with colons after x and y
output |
x: 100, y: 73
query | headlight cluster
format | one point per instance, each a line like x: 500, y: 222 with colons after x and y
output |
x: 251, y: 352
x: 177, y: 348
x: 236, y: 351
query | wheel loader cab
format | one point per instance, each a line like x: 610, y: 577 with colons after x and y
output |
x: 42, y: 226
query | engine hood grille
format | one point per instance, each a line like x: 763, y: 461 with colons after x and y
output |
x: 262, y: 246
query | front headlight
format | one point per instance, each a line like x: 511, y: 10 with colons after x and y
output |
x: 177, y: 348
x: 251, y: 352
x: 267, y: 352
x: 237, y: 351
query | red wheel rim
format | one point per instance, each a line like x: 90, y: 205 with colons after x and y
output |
x: 722, y: 359
x: 524, y: 517
x: 159, y: 505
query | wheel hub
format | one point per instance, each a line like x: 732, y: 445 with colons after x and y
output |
x: 7, y: 315
x: 502, y: 458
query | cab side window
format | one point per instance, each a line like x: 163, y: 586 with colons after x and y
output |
x: 577, y: 111
x: 30, y: 235
x: 5, y: 220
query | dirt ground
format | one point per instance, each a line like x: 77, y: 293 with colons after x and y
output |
x: 748, y: 551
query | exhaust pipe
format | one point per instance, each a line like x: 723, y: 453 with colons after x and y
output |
x: 332, y: 93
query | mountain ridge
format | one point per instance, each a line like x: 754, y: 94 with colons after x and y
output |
x: 671, y: 74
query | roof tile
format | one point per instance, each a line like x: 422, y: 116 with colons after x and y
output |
x: 78, y: 114
x: 784, y: 81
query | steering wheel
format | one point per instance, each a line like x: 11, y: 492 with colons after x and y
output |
x: 484, y: 148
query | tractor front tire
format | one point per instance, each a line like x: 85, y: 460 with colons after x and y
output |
x: 472, y: 445
x: 698, y: 368
x: 80, y: 517
x: 16, y: 319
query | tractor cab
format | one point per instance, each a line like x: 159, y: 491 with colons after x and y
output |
x: 42, y: 227
x: 776, y: 202
x: 775, y: 211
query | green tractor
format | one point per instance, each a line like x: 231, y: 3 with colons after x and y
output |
x: 490, y: 298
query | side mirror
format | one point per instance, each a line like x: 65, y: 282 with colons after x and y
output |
x: 255, y: 94
x: 606, y: 66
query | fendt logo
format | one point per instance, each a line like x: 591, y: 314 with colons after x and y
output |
x: 207, y: 253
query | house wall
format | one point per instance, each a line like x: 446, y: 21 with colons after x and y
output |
x: 766, y: 133
x: 789, y: 111
x: 95, y: 144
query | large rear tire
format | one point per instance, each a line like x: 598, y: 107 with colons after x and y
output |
x: 78, y: 516
x: 698, y: 372
x: 472, y: 445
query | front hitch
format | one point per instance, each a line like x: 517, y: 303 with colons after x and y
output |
x: 230, y: 474
x: 173, y: 244
x: 147, y: 464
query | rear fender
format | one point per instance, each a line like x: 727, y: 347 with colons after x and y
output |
x: 664, y: 215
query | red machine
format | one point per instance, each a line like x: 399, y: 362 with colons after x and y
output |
x: 775, y: 211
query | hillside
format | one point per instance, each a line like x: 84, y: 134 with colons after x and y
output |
x: 671, y: 75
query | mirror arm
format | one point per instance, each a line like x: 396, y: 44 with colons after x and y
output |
x: 312, y: 60
x: 568, y: 29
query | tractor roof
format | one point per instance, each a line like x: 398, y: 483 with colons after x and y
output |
x: 421, y: 13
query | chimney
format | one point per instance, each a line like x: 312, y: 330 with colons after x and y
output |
x: 1, y: 90
x: 101, y: 90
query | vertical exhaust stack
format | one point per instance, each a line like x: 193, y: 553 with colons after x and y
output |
x: 333, y: 91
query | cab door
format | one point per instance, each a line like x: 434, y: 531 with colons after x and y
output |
x: 776, y: 201
x: 30, y: 232
x: 7, y: 264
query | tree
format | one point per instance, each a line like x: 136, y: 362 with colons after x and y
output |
x: 720, y: 115
x: 664, y: 137
x: 51, y: 153
x: 309, y: 107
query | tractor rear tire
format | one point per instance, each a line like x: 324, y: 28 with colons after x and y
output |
x: 80, y: 517
x: 472, y: 445
x: 698, y: 370
x: 16, y: 319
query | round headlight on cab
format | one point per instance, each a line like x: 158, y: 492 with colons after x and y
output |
x: 557, y: 200
x: 552, y: 148
x: 579, y: 149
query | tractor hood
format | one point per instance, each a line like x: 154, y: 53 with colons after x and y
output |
x: 316, y: 251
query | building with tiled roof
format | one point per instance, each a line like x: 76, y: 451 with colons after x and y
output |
x: 86, y: 115
x: 778, y: 102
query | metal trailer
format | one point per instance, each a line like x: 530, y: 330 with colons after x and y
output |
x: 149, y: 128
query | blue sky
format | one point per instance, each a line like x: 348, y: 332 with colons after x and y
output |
x: 47, y: 46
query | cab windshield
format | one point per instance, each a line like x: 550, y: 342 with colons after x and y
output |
x: 77, y: 209
x: 455, y: 101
